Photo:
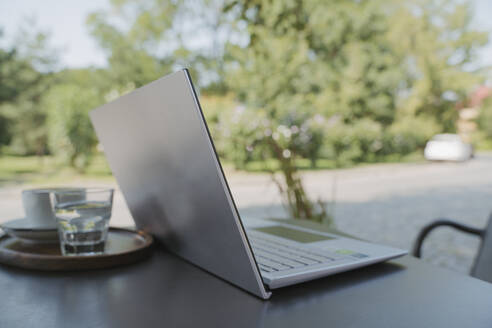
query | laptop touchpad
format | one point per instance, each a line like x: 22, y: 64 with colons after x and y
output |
x: 293, y: 234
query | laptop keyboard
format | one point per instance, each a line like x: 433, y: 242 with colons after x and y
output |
x: 273, y: 255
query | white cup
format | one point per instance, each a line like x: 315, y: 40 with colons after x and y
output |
x: 38, y: 208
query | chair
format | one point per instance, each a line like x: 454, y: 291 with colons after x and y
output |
x: 482, y: 266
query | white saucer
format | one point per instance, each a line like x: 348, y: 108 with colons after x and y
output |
x: 23, y: 229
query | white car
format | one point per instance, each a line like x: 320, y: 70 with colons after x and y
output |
x: 448, y: 147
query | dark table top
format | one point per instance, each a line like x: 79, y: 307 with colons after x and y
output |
x: 165, y: 291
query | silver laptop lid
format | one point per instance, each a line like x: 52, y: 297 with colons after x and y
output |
x: 161, y: 153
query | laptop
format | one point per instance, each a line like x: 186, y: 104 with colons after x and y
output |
x: 161, y: 153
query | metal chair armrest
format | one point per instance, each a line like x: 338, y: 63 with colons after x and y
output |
x: 416, y: 251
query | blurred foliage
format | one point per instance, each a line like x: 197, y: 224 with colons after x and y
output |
x: 436, y: 44
x: 22, y: 85
x: 128, y: 45
x: 281, y: 81
x: 353, y: 81
x: 71, y: 135
x: 147, y: 39
x: 485, y: 117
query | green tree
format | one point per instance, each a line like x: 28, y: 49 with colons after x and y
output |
x: 307, y: 60
x: 25, y: 75
x: 21, y: 88
x: 436, y: 44
x: 71, y: 136
x: 132, y: 33
x: 381, y: 76
x: 485, y: 118
x: 147, y: 39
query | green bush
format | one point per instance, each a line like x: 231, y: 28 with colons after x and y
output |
x: 409, y: 134
x: 5, y: 135
x: 366, y: 141
x: 71, y: 136
x: 27, y: 128
x: 347, y: 144
x: 368, y: 135
x: 485, y: 118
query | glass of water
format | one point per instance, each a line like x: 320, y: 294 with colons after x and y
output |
x: 82, y: 217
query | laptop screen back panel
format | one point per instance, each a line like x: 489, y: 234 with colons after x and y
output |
x: 160, y: 151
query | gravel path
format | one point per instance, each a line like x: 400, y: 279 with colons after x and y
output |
x: 387, y: 203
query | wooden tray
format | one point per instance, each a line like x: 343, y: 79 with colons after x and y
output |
x: 122, y: 247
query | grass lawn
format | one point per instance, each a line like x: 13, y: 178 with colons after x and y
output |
x: 47, y: 169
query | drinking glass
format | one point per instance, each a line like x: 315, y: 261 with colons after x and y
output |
x: 82, y: 217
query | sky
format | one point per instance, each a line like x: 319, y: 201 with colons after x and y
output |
x: 65, y: 21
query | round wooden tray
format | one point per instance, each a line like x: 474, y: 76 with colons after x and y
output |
x: 122, y: 247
